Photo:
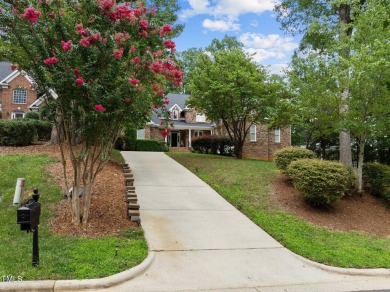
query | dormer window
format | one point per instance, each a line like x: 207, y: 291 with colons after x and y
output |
x: 175, y: 113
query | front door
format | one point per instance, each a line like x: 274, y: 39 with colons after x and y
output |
x: 174, y: 137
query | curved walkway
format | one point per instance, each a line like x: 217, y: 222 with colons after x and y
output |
x: 201, y: 242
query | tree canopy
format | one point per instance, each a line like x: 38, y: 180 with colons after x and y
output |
x: 100, y: 64
x: 230, y: 87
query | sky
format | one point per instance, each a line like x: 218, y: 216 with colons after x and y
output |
x: 252, y: 22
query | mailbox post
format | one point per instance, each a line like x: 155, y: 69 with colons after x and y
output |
x: 28, y: 218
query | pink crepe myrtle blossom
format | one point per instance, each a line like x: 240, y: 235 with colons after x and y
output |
x: 144, y: 24
x: 127, y: 99
x: 94, y: 37
x: 50, y: 61
x: 66, y: 46
x: 170, y: 45
x: 134, y: 81
x: 165, y: 29
x: 31, y: 14
x: 82, y: 31
x: 118, y: 53
x: 136, y: 60
x: 165, y: 132
x: 79, y: 81
x: 132, y: 49
x: 13, y: 67
x: 99, y: 108
x: 85, y: 42
x: 52, y: 15
x: 143, y: 34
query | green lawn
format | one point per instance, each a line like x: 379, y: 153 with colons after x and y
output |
x: 245, y: 184
x: 61, y: 257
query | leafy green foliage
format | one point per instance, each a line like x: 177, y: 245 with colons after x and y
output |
x: 376, y: 179
x: 43, y: 129
x: 230, y: 86
x: 212, y: 145
x: 321, y: 182
x: 17, y: 132
x: 151, y: 145
x: 128, y: 140
x: 32, y: 115
x: 101, y: 65
x: 285, y: 156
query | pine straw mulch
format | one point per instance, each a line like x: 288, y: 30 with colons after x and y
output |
x: 108, y: 213
x: 365, y: 214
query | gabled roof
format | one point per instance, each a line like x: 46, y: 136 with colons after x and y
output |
x: 5, y: 70
x: 7, y: 74
x: 178, y: 99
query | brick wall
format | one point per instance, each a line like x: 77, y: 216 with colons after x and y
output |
x: 190, y: 116
x: 265, y: 146
x: 6, y: 95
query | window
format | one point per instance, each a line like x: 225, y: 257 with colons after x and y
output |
x: 200, y: 117
x: 253, y: 133
x: 175, y: 114
x: 141, y: 134
x: 198, y: 133
x: 17, y: 114
x: 20, y: 96
x: 277, y: 135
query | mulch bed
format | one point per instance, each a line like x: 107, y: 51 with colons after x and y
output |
x: 366, y: 214
x: 108, y: 213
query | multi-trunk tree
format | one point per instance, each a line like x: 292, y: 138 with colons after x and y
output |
x: 101, y: 64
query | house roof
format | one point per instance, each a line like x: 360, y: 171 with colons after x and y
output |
x: 5, y: 70
x: 178, y: 99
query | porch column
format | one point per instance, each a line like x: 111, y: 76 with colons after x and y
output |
x: 189, y: 137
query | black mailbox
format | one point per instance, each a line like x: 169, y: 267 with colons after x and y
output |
x: 28, y: 216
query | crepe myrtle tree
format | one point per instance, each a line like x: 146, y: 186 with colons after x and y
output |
x: 105, y: 62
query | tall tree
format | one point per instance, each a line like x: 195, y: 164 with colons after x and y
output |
x: 324, y: 24
x: 230, y: 87
x: 106, y: 62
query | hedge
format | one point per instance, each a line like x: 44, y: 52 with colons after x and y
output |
x: 127, y: 141
x: 376, y: 179
x: 321, y: 182
x: 212, y: 145
x: 151, y: 145
x: 43, y: 129
x: 285, y: 156
x: 18, y: 132
x: 32, y: 115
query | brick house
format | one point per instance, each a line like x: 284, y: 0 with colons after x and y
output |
x: 261, y: 143
x: 17, y: 95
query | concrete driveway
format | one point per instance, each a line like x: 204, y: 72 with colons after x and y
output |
x: 201, y: 242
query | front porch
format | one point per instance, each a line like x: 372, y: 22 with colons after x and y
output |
x: 181, y: 139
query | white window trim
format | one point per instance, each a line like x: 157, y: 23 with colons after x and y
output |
x: 277, y: 136
x: 252, y: 130
x: 200, y: 117
x: 13, y: 96
x: 13, y: 114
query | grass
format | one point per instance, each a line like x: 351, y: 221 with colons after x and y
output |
x: 61, y: 257
x: 245, y: 184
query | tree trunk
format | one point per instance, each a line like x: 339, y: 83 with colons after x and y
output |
x: 359, y: 179
x: 344, y: 136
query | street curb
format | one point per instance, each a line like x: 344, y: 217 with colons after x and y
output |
x: 72, y: 285
x: 110, y: 281
x: 344, y: 271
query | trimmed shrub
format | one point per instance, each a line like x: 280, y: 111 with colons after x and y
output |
x: 212, y: 145
x: 321, y: 182
x: 32, y: 115
x: 285, y: 156
x: 127, y: 141
x: 376, y: 179
x: 17, y: 132
x: 151, y: 145
x: 1, y: 114
x: 43, y: 129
